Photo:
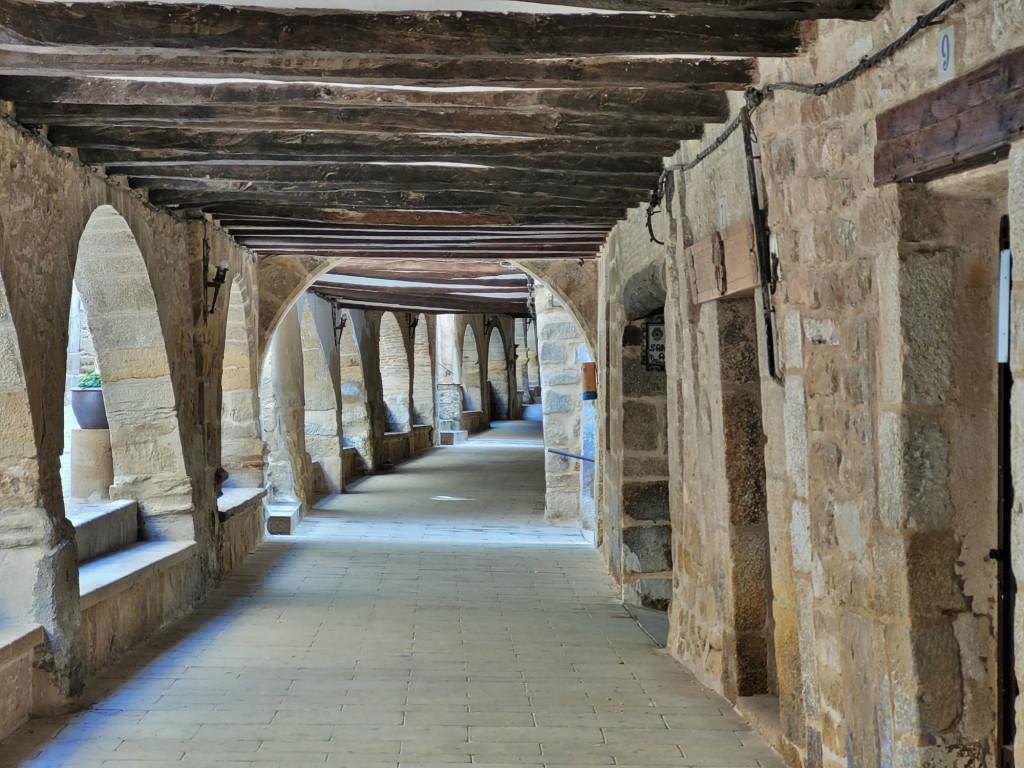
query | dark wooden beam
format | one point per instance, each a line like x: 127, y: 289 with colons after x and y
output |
x: 426, y: 269
x: 504, y: 247
x: 478, y: 201
x: 314, y: 144
x: 391, y: 173
x: 362, y: 120
x: 417, y: 215
x: 413, y: 253
x: 526, y: 195
x: 148, y: 27
x: 381, y: 70
x: 967, y: 122
x: 667, y: 101
x: 423, y: 291
x: 400, y: 303
x: 128, y: 161
x: 855, y: 10
x: 271, y: 225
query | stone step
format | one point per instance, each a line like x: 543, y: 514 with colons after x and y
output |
x: 103, y: 527
x: 453, y: 436
x: 283, y: 517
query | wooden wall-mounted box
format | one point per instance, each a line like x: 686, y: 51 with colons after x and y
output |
x: 724, y: 265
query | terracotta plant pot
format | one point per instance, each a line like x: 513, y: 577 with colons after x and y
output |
x: 89, y: 409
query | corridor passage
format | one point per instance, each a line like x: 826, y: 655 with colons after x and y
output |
x: 427, y: 618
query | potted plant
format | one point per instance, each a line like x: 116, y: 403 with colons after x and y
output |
x: 87, y: 401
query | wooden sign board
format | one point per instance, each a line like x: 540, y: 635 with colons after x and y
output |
x: 968, y: 121
x: 724, y: 265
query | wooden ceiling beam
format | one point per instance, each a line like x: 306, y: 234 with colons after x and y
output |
x: 521, y: 198
x: 853, y: 10
x: 417, y: 214
x: 264, y: 243
x: 360, y: 120
x: 412, y: 253
x: 314, y: 144
x: 389, y: 173
x: 384, y: 301
x: 668, y: 101
x: 128, y: 161
x: 145, y: 27
x: 370, y: 69
x: 464, y: 269
x: 423, y: 291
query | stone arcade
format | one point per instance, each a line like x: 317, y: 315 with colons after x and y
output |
x: 430, y: 220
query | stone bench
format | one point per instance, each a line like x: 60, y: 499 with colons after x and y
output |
x: 103, y: 527
x: 17, y: 648
x: 241, y: 525
x: 129, y: 594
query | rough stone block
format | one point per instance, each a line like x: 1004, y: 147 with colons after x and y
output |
x: 283, y: 517
x: 649, y: 593
x: 737, y: 341
x: 553, y: 352
x: 646, y: 500
x: 557, y: 402
x: 453, y: 436
x: 640, y: 420
x: 559, y: 330
x: 647, y: 549
x: 637, y: 381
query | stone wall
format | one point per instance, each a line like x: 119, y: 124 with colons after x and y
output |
x: 830, y: 533
x: 634, y: 532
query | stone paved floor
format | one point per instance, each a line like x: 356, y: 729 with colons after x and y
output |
x: 428, y: 618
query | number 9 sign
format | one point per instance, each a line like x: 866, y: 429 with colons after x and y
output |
x: 946, y: 69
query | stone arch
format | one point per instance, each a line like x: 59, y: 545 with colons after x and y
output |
x: 241, y: 445
x: 497, y: 374
x: 423, y: 375
x: 355, y: 412
x: 322, y: 424
x: 472, y: 382
x: 394, y: 373
x: 145, y: 440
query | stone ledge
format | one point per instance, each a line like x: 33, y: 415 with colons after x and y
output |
x: 103, y: 527
x: 234, y: 500
x: 283, y: 517
x: 762, y: 712
x: 104, y: 578
x: 18, y: 640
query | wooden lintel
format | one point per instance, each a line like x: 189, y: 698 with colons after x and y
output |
x: 142, y: 27
x: 967, y: 122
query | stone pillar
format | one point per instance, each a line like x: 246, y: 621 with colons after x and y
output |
x: 289, y: 474
x: 92, y: 465
x: 562, y: 351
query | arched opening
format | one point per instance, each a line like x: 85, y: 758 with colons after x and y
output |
x: 119, y: 309
x: 497, y: 375
x: 394, y: 373
x: 322, y: 423
x: 241, y: 445
x: 423, y: 375
x: 355, y: 413
x: 472, y: 385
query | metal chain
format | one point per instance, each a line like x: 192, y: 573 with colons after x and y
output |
x: 756, y: 96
